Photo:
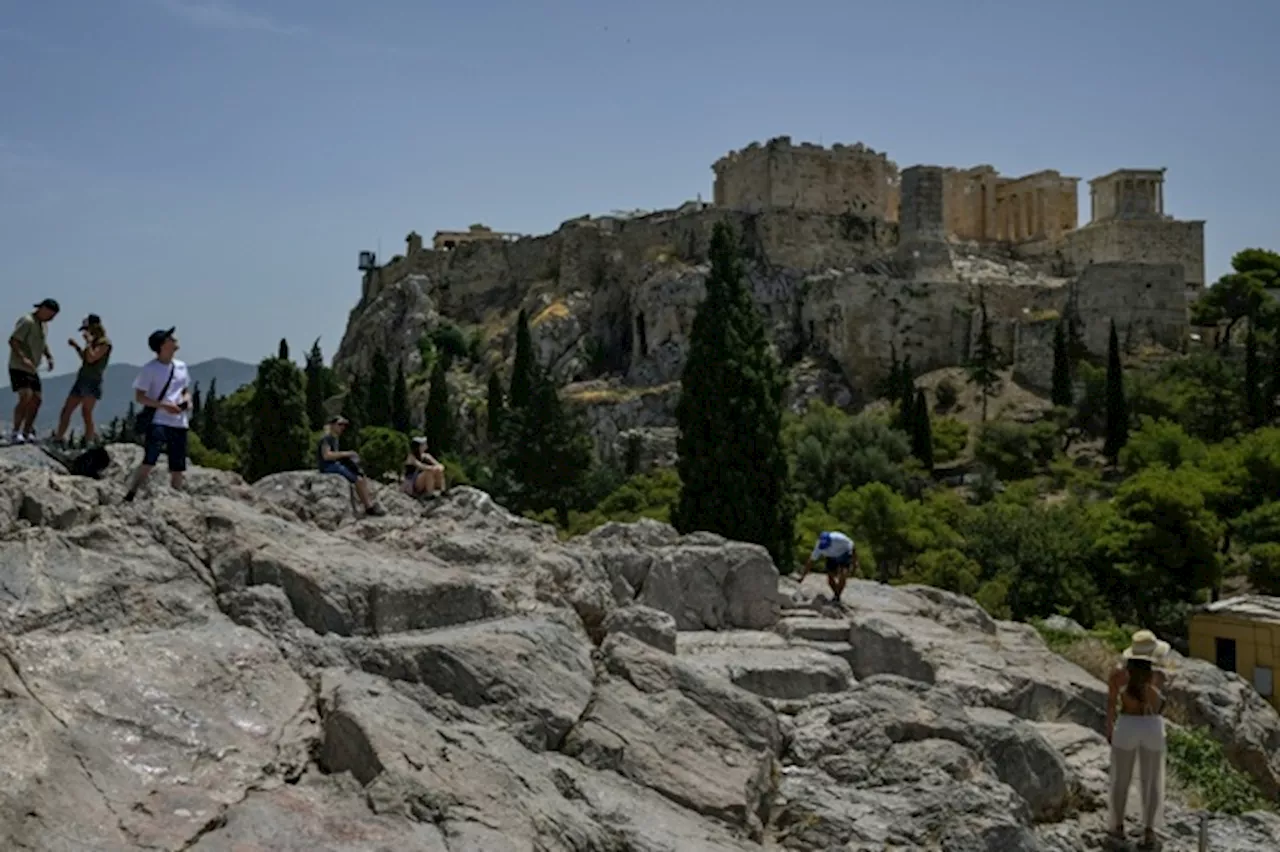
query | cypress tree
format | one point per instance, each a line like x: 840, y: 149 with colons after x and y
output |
x: 211, y: 431
x: 439, y: 426
x: 1255, y: 403
x: 401, y: 418
x: 378, y: 403
x: 922, y: 431
x: 1061, y: 394
x: 545, y: 453
x: 355, y: 408
x: 732, y: 465
x: 197, y: 410
x: 283, y: 352
x: 319, y: 386
x: 279, y: 435
x: 523, y: 366
x: 495, y: 408
x: 1117, y: 429
x: 906, y: 395
x: 985, y: 362
x: 127, y: 433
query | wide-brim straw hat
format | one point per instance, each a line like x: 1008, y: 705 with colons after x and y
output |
x: 1145, y: 646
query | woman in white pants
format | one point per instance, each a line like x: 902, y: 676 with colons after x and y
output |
x: 1137, y: 736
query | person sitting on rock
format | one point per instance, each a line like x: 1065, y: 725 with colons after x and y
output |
x: 344, y: 463
x: 423, y: 475
x: 1136, y: 690
x: 841, y: 555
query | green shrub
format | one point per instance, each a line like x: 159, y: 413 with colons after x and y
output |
x: 202, y: 456
x: 950, y: 437
x: 381, y: 451
x: 1013, y: 450
x: 1196, y: 758
x: 946, y: 394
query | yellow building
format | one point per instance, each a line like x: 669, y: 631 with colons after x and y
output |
x: 1242, y: 635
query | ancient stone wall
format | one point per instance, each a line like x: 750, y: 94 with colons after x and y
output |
x: 806, y: 177
x: 1033, y: 351
x: 1147, y: 301
x: 922, y: 228
x: 1154, y: 241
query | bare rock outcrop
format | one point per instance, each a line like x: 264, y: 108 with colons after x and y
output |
x: 254, y: 667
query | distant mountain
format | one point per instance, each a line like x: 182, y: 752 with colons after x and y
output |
x: 117, y: 391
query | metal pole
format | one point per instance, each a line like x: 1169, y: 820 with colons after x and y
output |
x: 1204, y: 832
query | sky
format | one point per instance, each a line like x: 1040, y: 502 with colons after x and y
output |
x: 218, y: 166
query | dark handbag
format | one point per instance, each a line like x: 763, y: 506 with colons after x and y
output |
x: 142, y: 422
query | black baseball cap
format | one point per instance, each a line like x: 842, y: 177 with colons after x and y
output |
x: 51, y: 304
x: 92, y: 319
x: 158, y: 338
x: 338, y: 420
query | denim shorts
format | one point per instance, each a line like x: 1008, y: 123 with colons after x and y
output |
x: 174, y: 441
x: 839, y: 563
x: 87, y: 386
x: 340, y: 469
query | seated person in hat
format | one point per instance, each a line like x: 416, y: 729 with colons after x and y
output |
x: 423, y: 475
x: 841, y: 555
x: 344, y: 463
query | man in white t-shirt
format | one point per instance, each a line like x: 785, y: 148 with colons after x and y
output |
x: 841, y: 555
x: 163, y: 389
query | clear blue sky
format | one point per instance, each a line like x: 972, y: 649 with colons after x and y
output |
x: 218, y: 165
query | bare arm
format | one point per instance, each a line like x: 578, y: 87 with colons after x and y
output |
x: 16, y: 346
x: 1113, y: 691
x: 95, y: 354
x: 430, y: 460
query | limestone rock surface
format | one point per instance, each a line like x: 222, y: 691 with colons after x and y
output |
x: 253, y: 667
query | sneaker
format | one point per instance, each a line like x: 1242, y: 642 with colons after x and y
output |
x: 17, y: 438
x: 128, y: 497
x: 375, y: 511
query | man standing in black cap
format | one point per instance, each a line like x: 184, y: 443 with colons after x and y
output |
x: 163, y: 389
x: 27, y: 344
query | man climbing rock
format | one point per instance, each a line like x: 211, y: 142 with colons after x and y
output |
x: 841, y: 555
x: 27, y: 344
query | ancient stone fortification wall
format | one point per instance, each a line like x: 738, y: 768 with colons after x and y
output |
x: 1155, y: 241
x: 1141, y: 241
x: 1147, y: 301
x: 1033, y: 351
x: 807, y: 177
x: 590, y: 254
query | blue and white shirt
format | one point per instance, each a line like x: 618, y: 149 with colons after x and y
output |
x: 839, y: 546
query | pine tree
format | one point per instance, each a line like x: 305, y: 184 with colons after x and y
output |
x: 378, y: 412
x: 439, y: 426
x: 731, y: 461
x: 922, y: 431
x: 546, y: 452
x: 279, y: 435
x: 495, y: 408
x: 283, y: 352
x: 401, y: 417
x: 1255, y: 401
x: 320, y: 386
x: 1117, y: 429
x: 1061, y: 394
x: 985, y: 362
x: 523, y: 366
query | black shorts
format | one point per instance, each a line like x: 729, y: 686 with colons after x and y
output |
x: 22, y: 380
x: 841, y: 563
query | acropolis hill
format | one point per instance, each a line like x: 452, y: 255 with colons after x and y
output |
x: 851, y: 259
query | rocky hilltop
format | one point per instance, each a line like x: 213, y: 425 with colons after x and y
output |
x: 612, y: 300
x: 248, y: 668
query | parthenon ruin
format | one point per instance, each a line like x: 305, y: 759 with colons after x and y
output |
x: 1036, y: 214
